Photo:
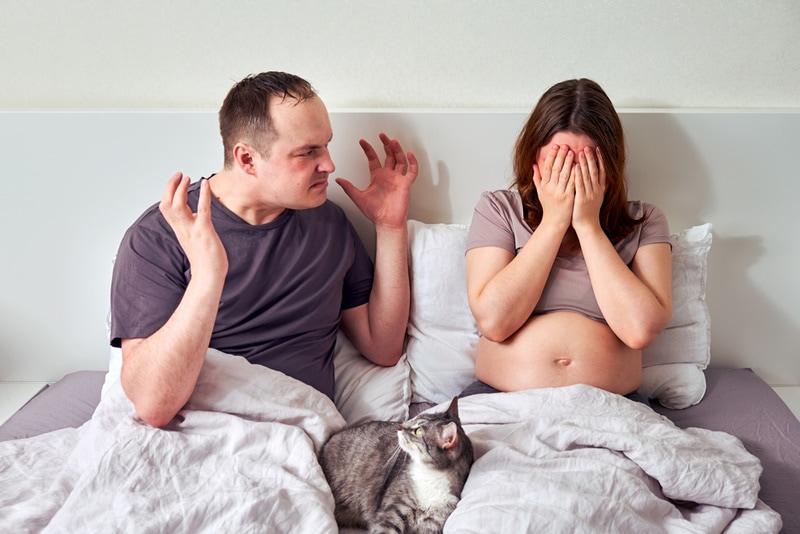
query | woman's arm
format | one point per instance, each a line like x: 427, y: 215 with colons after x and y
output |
x: 504, y: 289
x: 637, y: 301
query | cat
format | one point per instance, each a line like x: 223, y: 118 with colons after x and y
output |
x: 390, y: 477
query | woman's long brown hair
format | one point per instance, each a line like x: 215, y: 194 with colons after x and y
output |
x: 579, y: 107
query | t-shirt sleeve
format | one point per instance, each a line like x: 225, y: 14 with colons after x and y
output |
x: 358, y: 281
x: 149, y: 279
x: 655, y: 228
x: 491, y: 224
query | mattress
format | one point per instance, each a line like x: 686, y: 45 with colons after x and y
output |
x: 737, y: 401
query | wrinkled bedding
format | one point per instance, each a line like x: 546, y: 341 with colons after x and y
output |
x: 241, y: 457
x: 578, y: 459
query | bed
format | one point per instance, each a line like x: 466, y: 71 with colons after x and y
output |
x: 241, y: 455
x: 564, y: 459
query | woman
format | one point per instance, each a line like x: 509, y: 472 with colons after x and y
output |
x: 568, y: 280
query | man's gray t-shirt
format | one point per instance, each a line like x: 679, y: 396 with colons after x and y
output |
x: 287, y: 283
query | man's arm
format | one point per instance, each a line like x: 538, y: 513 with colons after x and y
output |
x: 160, y: 372
x: 378, y: 328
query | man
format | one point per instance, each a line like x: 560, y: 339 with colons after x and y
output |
x: 255, y: 261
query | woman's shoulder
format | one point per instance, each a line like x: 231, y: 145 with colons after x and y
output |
x: 502, y: 195
x: 654, y: 227
x: 504, y: 200
x: 638, y: 208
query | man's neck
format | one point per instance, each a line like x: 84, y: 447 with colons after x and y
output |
x: 231, y: 190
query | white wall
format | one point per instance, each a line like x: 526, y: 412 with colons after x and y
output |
x: 75, y: 181
x: 148, y: 54
x: 400, y: 53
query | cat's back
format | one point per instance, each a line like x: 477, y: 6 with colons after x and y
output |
x: 357, y: 451
x: 361, y: 437
x: 356, y: 462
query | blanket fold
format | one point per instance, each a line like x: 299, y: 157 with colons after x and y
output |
x: 579, y: 459
x: 240, y: 457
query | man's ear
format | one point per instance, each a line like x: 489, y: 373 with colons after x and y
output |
x: 244, y: 157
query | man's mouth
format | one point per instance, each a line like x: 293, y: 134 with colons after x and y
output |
x: 320, y: 184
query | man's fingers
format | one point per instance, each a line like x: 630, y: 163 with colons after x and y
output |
x: 372, y: 156
x: 169, y: 190
x: 413, y: 165
x: 349, y: 189
x: 390, y: 147
x: 204, y: 202
x: 181, y: 195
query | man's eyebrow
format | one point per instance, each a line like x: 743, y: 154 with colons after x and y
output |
x: 313, y: 146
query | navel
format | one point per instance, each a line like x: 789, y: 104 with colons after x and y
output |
x: 563, y: 362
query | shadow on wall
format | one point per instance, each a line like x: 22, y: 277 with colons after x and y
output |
x: 430, y: 195
x: 702, y: 170
x: 665, y: 168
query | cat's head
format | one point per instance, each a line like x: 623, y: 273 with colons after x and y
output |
x: 436, y: 439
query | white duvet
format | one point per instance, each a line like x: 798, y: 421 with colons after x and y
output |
x: 579, y: 459
x: 241, y: 457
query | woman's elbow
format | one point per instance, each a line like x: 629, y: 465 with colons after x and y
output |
x: 643, y: 335
x: 492, y: 330
x: 639, y: 342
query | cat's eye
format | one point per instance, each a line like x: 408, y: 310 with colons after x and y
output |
x: 418, y: 431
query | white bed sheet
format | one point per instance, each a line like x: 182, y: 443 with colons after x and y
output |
x: 579, y: 459
x: 241, y: 457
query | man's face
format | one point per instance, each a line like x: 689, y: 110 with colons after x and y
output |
x: 294, y: 173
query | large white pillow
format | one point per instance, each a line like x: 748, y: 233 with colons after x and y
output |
x: 443, y: 334
x: 363, y: 390
x: 673, y: 365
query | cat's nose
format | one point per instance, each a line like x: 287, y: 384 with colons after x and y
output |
x: 400, y: 426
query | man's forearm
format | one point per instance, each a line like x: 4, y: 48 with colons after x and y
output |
x: 159, y: 373
x: 390, y: 297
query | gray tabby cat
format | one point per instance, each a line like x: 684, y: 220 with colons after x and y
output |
x: 391, y: 477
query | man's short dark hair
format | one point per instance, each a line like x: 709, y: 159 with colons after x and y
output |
x: 245, y: 115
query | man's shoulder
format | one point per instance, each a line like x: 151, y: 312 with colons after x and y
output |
x: 150, y: 221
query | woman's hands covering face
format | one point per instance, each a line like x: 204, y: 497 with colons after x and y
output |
x: 571, y: 187
x: 555, y: 185
x: 590, y: 187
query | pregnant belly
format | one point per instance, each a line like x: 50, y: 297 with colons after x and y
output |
x: 559, y: 349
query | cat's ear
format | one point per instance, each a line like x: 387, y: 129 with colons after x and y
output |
x: 449, y: 436
x: 452, y: 410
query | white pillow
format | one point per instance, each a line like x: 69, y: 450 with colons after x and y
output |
x: 673, y: 365
x: 363, y: 390
x: 443, y: 334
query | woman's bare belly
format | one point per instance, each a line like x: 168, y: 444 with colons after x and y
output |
x: 560, y: 349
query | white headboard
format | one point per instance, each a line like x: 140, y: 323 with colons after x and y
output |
x: 74, y: 181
